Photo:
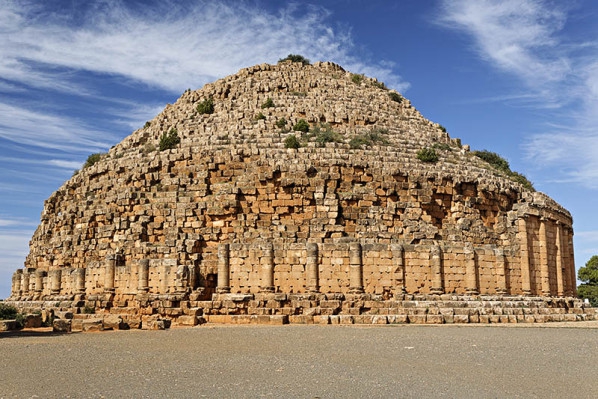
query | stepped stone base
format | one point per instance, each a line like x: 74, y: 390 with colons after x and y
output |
x: 159, y: 312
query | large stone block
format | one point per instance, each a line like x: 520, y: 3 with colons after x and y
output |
x: 61, y: 325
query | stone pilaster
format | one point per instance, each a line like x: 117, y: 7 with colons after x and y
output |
x: 109, y: 272
x: 16, y: 283
x: 268, y: 269
x: 571, y: 262
x: 501, y: 271
x: 223, y: 283
x: 436, y: 270
x: 399, y: 268
x: 39, y: 281
x: 560, y: 290
x: 544, y: 271
x: 143, y: 276
x: 312, y: 268
x: 25, y: 283
x: 80, y: 281
x: 524, y: 256
x: 471, y: 275
x: 55, y: 280
x: 355, y: 268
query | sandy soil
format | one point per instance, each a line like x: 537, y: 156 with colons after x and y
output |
x: 552, y: 360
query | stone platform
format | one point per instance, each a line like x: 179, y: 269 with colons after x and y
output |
x: 159, y: 312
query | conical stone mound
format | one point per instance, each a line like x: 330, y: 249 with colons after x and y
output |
x: 240, y: 203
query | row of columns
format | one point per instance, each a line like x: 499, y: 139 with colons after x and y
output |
x: 312, y: 268
x: 563, y: 263
x: 565, y: 273
x: 356, y: 284
x: 23, y: 279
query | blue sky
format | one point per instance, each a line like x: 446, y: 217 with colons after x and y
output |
x: 517, y: 77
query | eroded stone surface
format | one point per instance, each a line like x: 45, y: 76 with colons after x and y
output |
x: 230, y: 210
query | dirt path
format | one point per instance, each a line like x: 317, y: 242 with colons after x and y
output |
x: 305, y: 362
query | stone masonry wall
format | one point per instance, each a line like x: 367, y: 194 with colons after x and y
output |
x: 231, y: 210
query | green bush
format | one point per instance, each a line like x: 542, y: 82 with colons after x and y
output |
x: 493, y: 159
x: 327, y: 137
x: 291, y: 142
x: 93, y: 159
x: 588, y: 275
x: 442, y: 128
x: 8, y: 312
x: 394, y: 96
x: 88, y: 310
x: 301, y: 126
x: 427, y: 155
x: 357, y: 78
x: 260, y: 116
x: 442, y: 146
x: 281, y: 123
x: 147, y: 124
x: 295, y: 58
x: 498, y: 162
x: 521, y: 179
x: 375, y: 136
x: 268, y: 104
x: 380, y: 85
x: 169, y: 140
x: 206, y: 106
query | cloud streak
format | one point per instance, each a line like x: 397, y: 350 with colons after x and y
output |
x: 524, y: 39
x: 39, y: 129
x: 170, y: 46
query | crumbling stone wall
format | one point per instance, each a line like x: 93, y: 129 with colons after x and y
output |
x: 232, y: 210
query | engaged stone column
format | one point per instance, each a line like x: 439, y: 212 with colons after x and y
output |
x: 524, y: 256
x: 571, y: 261
x: 55, y: 280
x: 39, y: 280
x: 544, y: 273
x: 470, y: 271
x: 559, y: 261
x: 268, y: 269
x: 355, y: 268
x: 80, y: 280
x: 166, y: 267
x: 223, y: 284
x: 399, y: 268
x: 436, y: 266
x: 568, y: 288
x: 501, y: 272
x: 25, y: 283
x: 110, y: 268
x: 143, y: 276
x: 312, y: 268
x: 16, y: 283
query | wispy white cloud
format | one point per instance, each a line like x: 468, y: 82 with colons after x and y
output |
x: 170, y: 45
x: 525, y: 38
x: 14, y: 245
x: 17, y: 221
x: 33, y: 128
x: 518, y: 36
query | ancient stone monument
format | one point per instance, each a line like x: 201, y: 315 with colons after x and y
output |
x: 228, y: 207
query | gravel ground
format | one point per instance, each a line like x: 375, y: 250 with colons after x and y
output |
x: 296, y: 361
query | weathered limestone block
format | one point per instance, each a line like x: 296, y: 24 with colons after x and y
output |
x: 61, y: 325
x: 232, y: 210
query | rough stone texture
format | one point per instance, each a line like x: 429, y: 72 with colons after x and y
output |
x: 230, y: 222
